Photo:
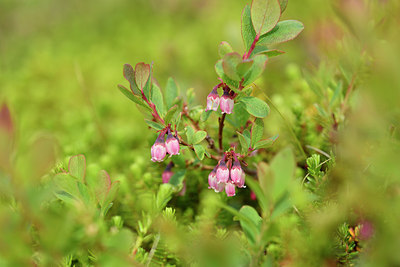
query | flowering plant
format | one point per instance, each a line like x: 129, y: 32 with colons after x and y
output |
x: 187, y: 126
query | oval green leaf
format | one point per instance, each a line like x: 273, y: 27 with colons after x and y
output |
x: 255, y: 106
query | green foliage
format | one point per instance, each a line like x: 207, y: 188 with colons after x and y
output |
x: 255, y: 106
x: 326, y: 191
x: 265, y: 15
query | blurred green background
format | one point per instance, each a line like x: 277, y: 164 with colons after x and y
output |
x: 60, y: 62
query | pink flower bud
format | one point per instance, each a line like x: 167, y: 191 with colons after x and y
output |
x: 213, y: 100
x: 230, y: 189
x: 253, y: 195
x: 237, y: 174
x: 222, y: 172
x: 172, y: 144
x: 226, y: 103
x: 158, y: 150
x: 166, y: 176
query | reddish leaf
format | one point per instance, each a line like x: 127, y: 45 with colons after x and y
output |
x: 142, y: 73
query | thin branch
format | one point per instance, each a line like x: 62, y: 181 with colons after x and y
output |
x: 153, y: 249
x: 221, y: 128
x: 209, y: 139
x: 253, y: 45
x: 319, y: 151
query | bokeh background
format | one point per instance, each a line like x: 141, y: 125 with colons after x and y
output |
x: 61, y: 61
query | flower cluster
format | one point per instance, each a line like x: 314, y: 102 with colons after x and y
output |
x: 227, y: 175
x: 161, y: 147
x: 225, y: 101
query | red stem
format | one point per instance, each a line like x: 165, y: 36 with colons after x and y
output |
x: 253, y: 45
x: 153, y: 107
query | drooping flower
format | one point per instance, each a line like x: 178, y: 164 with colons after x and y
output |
x: 213, y: 100
x: 220, y: 187
x: 172, y: 144
x: 158, y: 150
x: 222, y: 172
x: 167, y: 174
x: 212, y: 179
x: 237, y: 174
x: 226, y: 103
x: 230, y: 189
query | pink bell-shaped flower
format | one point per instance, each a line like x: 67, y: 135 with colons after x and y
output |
x: 213, y: 100
x: 158, y: 150
x: 230, y: 189
x: 226, y: 103
x: 212, y: 179
x: 237, y: 174
x: 167, y: 174
x: 222, y: 172
x: 220, y: 187
x: 172, y: 144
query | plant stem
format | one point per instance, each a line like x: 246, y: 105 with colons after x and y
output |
x: 153, y: 107
x: 253, y: 45
x: 208, y: 138
x: 221, y: 128
x: 153, y: 249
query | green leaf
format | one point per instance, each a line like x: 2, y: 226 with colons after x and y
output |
x: 84, y: 193
x: 256, y: 188
x: 256, y: 70
x: 257, y: 131
x: 177, y: 178
x: 224, y: 48
x: 171, y: 92
x: 189, y: 134
x: 229, y: 64
x: 164, y: 195
x: 129, y: 75
x: 199, y: 150
x: 255, y: 106
x: 169, y: 117
x: 265, y: 15
x: 281, y: 206
x: 248, y: 32
x: 246, y: 133
x: 142, y: 74
x: 147, y: 89
x: 241, y: 115
x: 136, y: 99
x: 67, y: 183
x: 243, y: 67
x: 198, y: 137
x: 154, y: 125
x: 283, y: 4
x: 265, y: 143
x: 265, y: 178
x: 282, y: 168
x: 77, y: 167
x: 252, y: 226
x: 205, y: 115
x: 157, y: 99
x: 262, y: 49
x: 284, y: 31
x: 220, y: 71
x: 101, y: 186
x: 107, y: 203
x: 243, y: 144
